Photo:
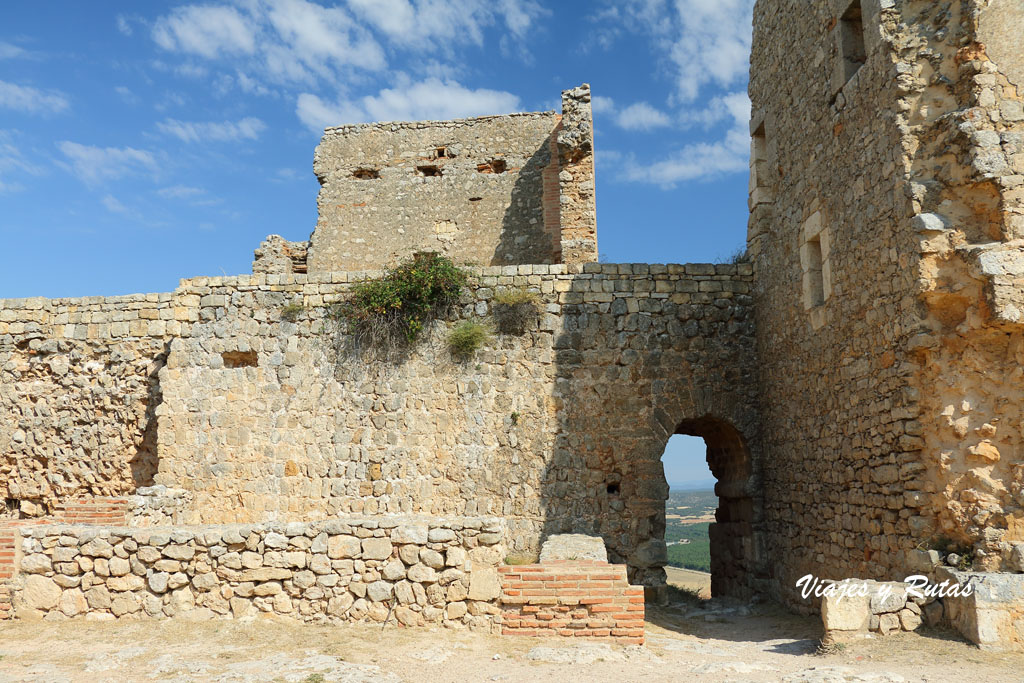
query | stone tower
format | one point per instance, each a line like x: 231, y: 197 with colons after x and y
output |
x: 887, y: 226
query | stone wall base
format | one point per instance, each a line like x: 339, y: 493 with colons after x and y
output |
x: 992, y: 615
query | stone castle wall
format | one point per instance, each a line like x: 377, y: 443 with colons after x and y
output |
x: 257, y: 418
x: 873, y: 187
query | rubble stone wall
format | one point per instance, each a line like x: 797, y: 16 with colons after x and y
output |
x: 77, y: 395
x: 834, y: 299
x: 413, y: 570
x: 258, y: 412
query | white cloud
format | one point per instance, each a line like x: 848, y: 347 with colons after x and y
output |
x: 702, y: 160
x: 123, y: 26
x: 302, y: 43
x: 179, y: 192
x: 115, y: 206
x: 94, y: 165
x: 285, y: 41
x: 32, y: 100
x: 428, y: 99
x: 706, y: 41
x: 602, y: 104
x: 13, y: 161
x: 314, y: 38
x: 419, y: 23
x: 641, y: 116
x: 205, y: 30
x: 248, y: 128
x: 8, y: 51
x: 126, y: 94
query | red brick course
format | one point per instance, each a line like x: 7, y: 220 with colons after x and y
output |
x: 572, y: 598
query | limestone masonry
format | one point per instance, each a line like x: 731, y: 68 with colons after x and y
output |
x: 209, y: 452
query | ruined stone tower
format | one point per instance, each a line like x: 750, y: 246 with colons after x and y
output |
x: 886, y: 226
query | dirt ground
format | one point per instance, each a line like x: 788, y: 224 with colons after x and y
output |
x: 690, y: 580
x: 706, y: 642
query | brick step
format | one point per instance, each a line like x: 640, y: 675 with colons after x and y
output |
x: 577, y: 599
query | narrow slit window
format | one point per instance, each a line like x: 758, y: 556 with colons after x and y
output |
x: 851, y: 28
x: 760, y: 186
x: 815, y: 276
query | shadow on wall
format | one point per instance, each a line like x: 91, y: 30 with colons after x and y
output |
x: 145, y: 462
x: 629, y: 376
x: 523, y: 233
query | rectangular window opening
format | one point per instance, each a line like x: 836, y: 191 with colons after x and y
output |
x: 851, y: 27
x: 429, y: 171
x: 366, y: 173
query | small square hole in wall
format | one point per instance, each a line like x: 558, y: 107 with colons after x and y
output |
x: 429, y: 171
x: 851, y: 39
x: 492, y: 166
x: 443, y: 153
x: 240, y: 359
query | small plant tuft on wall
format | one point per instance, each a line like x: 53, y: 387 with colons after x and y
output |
x: 390, y: 313
x: 467, y: 338
x: 514, y: 309
x: 292, y: 312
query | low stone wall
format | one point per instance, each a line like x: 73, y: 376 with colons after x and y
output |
x: 992, y: 615
x: 858, y: 607
x: 415, y: 570
x: 572, y: 598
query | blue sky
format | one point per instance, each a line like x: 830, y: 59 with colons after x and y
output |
x: 145, y: 142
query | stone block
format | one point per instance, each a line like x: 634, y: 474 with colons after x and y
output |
x: 574, y: 547
x: 845, y: 612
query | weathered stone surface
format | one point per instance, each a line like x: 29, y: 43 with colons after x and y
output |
x: 376, y: 549
x: 484, y: 584
x: 339, y: 547
x: 574, y: 547
x: 846, y: 613
x: 40, y: 593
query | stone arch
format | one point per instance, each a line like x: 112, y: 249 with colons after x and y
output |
x: 733, y: 558
x: 737, y: 566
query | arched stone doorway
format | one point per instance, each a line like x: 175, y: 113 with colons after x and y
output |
x: 731, y: 534
x: 735, y: 565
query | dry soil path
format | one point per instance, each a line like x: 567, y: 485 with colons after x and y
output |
x: 710, y: 643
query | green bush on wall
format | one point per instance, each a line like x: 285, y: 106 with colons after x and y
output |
x: 390, y: 312
x: 514, y: 309
x: 467, y: 338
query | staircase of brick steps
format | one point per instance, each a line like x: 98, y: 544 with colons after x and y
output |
x: 573, y: 598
